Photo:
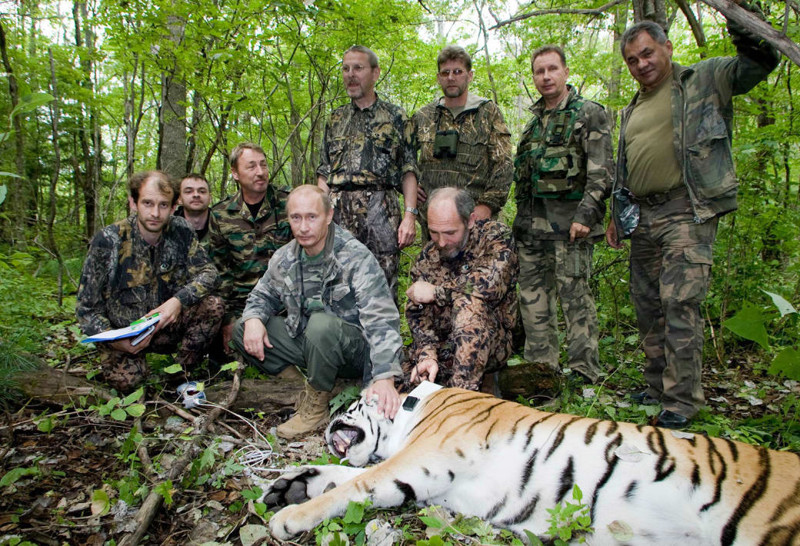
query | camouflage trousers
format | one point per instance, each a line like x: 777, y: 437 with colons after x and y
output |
x: 471, y: 341
x: 549, y: 272
x: 328, y: 348
x: 194, y: 330
x: 373, y: 217
x: 671, y: 259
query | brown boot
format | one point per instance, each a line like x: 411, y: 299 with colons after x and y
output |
x: 311, y: 414
x: 290, y: 373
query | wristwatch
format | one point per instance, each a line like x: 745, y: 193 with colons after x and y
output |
x: 413, y: 211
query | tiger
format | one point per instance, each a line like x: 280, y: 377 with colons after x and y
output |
x: 507, y: 463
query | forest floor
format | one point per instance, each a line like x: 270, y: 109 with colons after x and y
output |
x: 69, y: 475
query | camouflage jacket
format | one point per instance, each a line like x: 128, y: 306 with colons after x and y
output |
x: 482, y: 164
x: 241, y: 248
x: 369, y: 148
x: 202, y: 234
x: 353, y: 288
x: 702, y: 111
x: 487, y: 268
x: 124, y: 277
x: 563, y: 170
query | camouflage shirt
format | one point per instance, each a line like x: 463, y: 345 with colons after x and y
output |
x: 369, y: 148
x: 202, y: 234
x: 353, y: 288
x: 702, y: 111
x: 487, y: 268
x: 563, y: 170
x: 124, y: 277
x: 482, y: 164
x: 241, y: 247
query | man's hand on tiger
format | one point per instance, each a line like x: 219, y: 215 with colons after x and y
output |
x: 425, y: 370
x: 388, y: 400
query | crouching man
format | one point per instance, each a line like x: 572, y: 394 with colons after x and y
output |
x: 462, y: 306
x: 149, y: 263
x: 340, y: 319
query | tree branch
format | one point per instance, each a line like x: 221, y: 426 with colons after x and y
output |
x: 594, y: 11
x: 759, y: 28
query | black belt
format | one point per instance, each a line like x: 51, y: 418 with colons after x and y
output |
x: 655, y: 199
x: 356, y: 187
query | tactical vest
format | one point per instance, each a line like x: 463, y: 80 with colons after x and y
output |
x: 551, y: 159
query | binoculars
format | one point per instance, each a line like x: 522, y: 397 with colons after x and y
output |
x: 445, y: 144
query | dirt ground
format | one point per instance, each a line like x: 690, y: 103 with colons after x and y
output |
x: 53, y: 498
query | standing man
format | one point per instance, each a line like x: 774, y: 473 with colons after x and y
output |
x: 246, y: 230
x: 563, y: 171
x: 462, y: 305
x: 149, y: 263
x: 194, y: 198
x: 324, y: 306
x: 680, y: 192
x: 462, y: 139
x: 368, y: 155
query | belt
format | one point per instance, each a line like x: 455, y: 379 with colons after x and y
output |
x: 655, y: 199
x: 356, y: 187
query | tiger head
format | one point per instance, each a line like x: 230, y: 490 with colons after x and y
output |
x: 360, y: 434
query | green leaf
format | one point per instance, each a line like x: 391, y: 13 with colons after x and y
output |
x: 749, y: 324
x: 132, y: 397
x: 208, y: 457
x: 355, y: 512
x: 3, y: 189
x: 175, y: 368
x: 136, y: 410
x: 46, y: 425
x: 119, y: 414
x: 31, y: 102
x: 788, y: 363
x: 432, y: 522
x: 100, y: 503
x: 16, y: 473
x: 784, y: 307
x: 230, y: 366
x: 165, y: 490
x: 252, y: 494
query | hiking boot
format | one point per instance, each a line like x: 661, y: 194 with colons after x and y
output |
x: 312, y: 414
x: 290, y: 373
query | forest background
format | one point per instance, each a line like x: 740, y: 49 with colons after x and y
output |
x: 93, y: 91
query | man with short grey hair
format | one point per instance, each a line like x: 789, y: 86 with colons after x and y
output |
x: 367, y: 156
x: 668, y: 198
x: 462, y: 304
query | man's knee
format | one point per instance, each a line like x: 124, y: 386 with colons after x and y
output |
x: 322, y: 328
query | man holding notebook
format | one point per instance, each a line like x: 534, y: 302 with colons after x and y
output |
x: 148, y: 263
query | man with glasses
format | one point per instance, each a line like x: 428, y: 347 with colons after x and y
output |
x: 462, y: 139
x: 367, y: 155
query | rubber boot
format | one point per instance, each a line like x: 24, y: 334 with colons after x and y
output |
x: 311, y: 415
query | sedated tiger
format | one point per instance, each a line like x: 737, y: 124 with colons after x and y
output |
x: 507, y: 463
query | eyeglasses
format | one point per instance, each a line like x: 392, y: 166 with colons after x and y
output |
x: 455, y: 72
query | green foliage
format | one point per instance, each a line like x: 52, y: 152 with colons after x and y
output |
x: 568, y: 521
x: 120, y: 409
x: 337, y: 530
x: 16, y: 474
x: 344, y: 398
x: 751, y: 323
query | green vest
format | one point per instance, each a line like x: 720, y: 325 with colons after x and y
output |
x: 550, y: 157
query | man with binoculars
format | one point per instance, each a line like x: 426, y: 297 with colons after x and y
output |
x: 463, y: 141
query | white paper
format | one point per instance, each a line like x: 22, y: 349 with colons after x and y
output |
x: 122, y: 333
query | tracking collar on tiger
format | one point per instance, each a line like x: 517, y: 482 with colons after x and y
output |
x: 411, y: 403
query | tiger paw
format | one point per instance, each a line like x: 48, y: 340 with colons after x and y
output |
x: 291, y: 488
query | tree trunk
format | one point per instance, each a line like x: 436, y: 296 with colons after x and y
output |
x: 17, y: 186
x: 172, y: 146
x: 51, y: 213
